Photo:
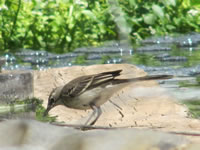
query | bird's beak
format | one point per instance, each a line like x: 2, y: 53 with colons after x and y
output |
x: 47, y: 110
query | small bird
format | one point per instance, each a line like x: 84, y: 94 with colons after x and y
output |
x: 91, y: 91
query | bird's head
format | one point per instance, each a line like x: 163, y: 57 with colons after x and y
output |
x: 53, y: 100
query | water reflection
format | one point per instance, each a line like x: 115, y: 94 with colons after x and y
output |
x: 173, y: 52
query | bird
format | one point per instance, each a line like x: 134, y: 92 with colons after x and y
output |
x: 91, y: 91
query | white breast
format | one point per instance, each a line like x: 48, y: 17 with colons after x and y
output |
x: 97, y: 96
x: 84, y: 100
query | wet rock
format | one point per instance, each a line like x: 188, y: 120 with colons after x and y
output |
x: 102, y: 50
x: 10, y: 58
x: 61, y: 56
x: 161, y: 56
x: 158, y: 40
x: 16, y: 85
x: 35, y: 61
x: 152, y: 48
x: 16, y: 67
x: 114, y: 61
x: 171, y: 58
x: 94, y: 57
x: 190, y: 48
x: 29, y: 52
x: 190, y: 71
x: 98, y: 50
x: 188, y: 40
x: 2, y: 62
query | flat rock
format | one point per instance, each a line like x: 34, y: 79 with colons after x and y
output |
x: 33, y: 135
x: 142, y: 104
x: 15, y: 84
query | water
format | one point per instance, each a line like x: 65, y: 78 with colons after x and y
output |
x: 178, y: 56
x: 156, y: 53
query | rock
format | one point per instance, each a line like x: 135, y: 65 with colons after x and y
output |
x: 2, y: 62
x: 141, y: 104
x: 158, y: 40
x: 188, y: 40
x: 113, y: 61
x: 189, y: 71
x: 33, y: 135
x: 173, y: 59
x: 104, y: 50
x: 16, y: 84
x: 61, y: 56
x: 32, y: 53
x: 35, y: 61
x: 153, y: 48
x: 146, y: 92
x: 163, y: 55
x: 94, y: 57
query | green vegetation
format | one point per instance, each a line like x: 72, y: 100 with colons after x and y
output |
x: 38, y: 109
x: 194, y: 107
x: 27, y: 105
x: 104, y: 59
x: 62, y: 25
x: 193, y: 58
x: 80, y: 60
x: 189, y: 84
x: 145, y: 59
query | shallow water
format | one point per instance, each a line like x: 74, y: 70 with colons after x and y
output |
x: 179, y: 56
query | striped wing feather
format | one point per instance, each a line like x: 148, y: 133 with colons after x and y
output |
x: 83, y: 83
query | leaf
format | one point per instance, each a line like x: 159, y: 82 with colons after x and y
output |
x: 89, y: 14
x: 68, y: 38
x: 71, y: 10
x: 149, y: 19
x: 170, y: 27
x: 169, y: 2
x: 132, y: 3
x: 158, y: 11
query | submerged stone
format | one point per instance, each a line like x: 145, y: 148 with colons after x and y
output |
x: 30, y: 52
x: 172, y: 58
x: 158, y: 40
x: 152, y: 48
x: 61, y: 56
x: 35, y: 61
x: 188, y: 40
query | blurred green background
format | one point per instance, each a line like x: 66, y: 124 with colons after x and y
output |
x: 62, y: 25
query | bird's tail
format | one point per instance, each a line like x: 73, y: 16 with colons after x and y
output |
x: 144, y: 78
x: 154, y: 77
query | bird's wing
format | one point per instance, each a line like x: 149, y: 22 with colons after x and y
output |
x: 83, y: 83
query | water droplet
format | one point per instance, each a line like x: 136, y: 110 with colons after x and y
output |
x: 131, y: 52
x: 16, y: 66
x: 190, y: 41
x: 121, y: 51
x: 6, y: 56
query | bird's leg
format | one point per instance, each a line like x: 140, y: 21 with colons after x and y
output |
x: 93, y: 113
x: 96, y: 110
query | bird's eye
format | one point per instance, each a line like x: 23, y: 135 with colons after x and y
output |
x: 51, y: 101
